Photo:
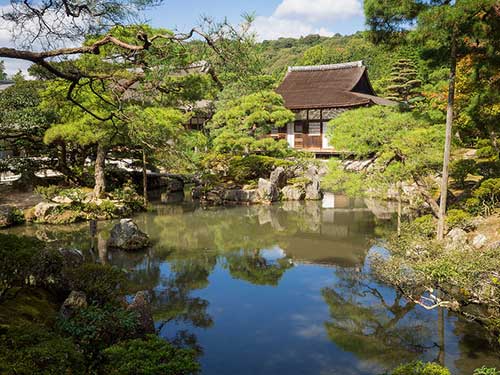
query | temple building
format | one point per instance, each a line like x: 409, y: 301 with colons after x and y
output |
x: 317, y: 94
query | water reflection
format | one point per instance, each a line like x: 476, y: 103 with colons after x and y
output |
x: 278, y: 289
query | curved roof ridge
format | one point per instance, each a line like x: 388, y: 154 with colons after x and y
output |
x: 310, y: 68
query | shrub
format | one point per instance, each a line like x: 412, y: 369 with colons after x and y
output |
x: 424, y: 226
x: 247, y: 168
x: 95, y: 328
x: 32, y: 349
x: 48, y: 192
x: 486, y: 197
x: 420, y: 368
x: 102, y: 284
x: 486, y: 152
x: 486, y: 371
x: 149, y: 357
x: 459, y: 219
x: 29, y: 263
x: 460, y: 169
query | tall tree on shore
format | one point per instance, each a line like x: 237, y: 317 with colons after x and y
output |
x: 3, y: 75
x: 446, y: 29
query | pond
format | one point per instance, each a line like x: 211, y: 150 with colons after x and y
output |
x: 282, y: 289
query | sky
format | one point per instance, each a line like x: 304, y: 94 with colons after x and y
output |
x: 274, y: 18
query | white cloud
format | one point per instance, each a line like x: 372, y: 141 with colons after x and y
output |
x: 319, y: 10
x: 274, y: 27
x: 296, y: 18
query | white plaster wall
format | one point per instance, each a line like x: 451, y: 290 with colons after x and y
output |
x: 325, y: 139
x: 290, y: 135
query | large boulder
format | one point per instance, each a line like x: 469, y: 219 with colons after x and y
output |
x: 141, y: 305
x: 267, y: 191
x: 279, y: 177
x: 240, y: 195
x: 479, y: 241
x: 44, y: 209
x: 75, y: 301
x: 72, y: 258
x: 126, y: 235
x: 293, y: 193
x: 457, y: 236
x: 313, y: 190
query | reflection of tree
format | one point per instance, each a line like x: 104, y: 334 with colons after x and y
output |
x: 173, y: 301
x: 371, y: 321
x: 254, y: 268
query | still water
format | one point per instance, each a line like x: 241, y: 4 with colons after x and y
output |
x: 281, y: 289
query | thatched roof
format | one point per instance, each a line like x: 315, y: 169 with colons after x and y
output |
x: 328, y: 86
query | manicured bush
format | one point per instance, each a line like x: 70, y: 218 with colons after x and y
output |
x: 95, y: 328
x: 424, y: 226
x: 420, y: 368
x: 486, y: 197
x: 102, y: 284
x: 151, y: 356
x: 48, y: 192
x: 247, y: 168
x: 459, y: 219
x: 460, y: 169
x: 32, y: 349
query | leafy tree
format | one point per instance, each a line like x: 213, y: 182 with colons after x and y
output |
x: 3, y: 75
x: 239, y: 125
x: 405, y: 148
x: 403, y: 84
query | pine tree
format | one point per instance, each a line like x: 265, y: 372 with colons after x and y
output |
x: 404, y: 86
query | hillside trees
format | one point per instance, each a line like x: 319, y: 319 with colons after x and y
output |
x: 443, y: 29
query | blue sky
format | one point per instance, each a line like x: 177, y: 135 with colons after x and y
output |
x: 274, y: 18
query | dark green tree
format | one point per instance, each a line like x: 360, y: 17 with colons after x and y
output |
x: 404, y: 83
x: 3, y: 74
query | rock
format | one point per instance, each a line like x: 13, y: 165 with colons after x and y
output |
x: 457, y: 236
x: 75, y: 301
x: 240, y: 195
x: 311, y: 172
x: 43, y: 209
x: 197, y: 192
x: 313, y: 190
x: 279, y: 177
x: 72, y: 258
x: 213, y: 197
x: 142, y: 307
x: 293, y: 193
x: 62, y: 200
x: 9, y: 216
x: 127, y: 236
x: 479, y: 241
x: 494, y: 246
x: 174, y: 185
x: 267, y: 191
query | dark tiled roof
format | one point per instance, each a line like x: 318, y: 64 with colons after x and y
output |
x: 327, y: 86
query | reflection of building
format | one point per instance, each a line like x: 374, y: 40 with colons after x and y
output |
x: 318, y: 94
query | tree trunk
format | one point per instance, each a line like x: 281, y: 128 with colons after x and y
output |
x: 400, y: 208
x: 100, y: 180
x: 144, y: 177
x: 447, y: 144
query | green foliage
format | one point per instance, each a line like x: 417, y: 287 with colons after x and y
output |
x: 96, y: 328
x: 459, y: 219
x: 32, y: 349
x: 487, y: 152
x: 403, y: 84
x: 103, y: 284
x: 3, y: 75
x: 486, y: 197
x: 149, y: 356
x: 341, y: 181
x: 460, y: 169
x: 424, y: 226
x: 420, y: 368
x: 29, y: 263
x: 238, y: 125
x: 243, y: 169
x: 486, y: 371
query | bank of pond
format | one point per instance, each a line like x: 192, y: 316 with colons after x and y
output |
x: 284, y: 288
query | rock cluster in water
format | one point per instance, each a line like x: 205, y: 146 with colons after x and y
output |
x: 126, y: 235
x: 285, y: 184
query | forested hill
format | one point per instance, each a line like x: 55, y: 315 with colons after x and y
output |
x: 318, y: 50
